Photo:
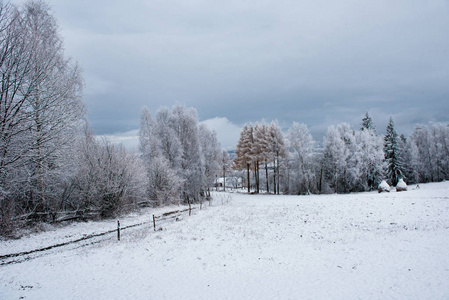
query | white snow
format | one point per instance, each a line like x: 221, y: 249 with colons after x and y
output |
x: 401, y: 186
x: 365, y: 245
x: 384, y: 187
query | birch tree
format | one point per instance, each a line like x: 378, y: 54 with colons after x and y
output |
x: 301, y: 146
x: 210, y: 150
x: 40, y: 106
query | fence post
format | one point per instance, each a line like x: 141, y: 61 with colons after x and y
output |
x: 154, y: 223
x: 190, y: 209
x: 118, y: 230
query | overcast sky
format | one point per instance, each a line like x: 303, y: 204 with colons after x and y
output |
x: 316, y: 62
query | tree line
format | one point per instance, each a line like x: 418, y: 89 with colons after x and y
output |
x: 182, y: 158
x: 348, y: 161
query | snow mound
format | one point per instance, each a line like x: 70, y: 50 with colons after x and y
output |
x: 383, y: 187
x: 401, y: 186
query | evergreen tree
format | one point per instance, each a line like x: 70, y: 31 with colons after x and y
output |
x: 367, y: 123
x: 392, y: 152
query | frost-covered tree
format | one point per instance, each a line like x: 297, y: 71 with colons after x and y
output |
x: 109, y: 180
x: 149, y: 141
x: 40, y: 109
x: 164, y: 182
x: 301, y: 147
x: 351, y: 172
x: 370, y: 159
x: 175, y: 141
x: 211, y: 152
x: 426, y: 153
x: 225, y: 166
x: 167, y: 138
x: 55, y: 106
x: 120, y: 181
x: 367, y: 123
x: 393, y: 153
x: 184, y: 121
x: 339, y: 165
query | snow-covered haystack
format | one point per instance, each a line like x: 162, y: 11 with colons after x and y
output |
x: 401, y: 186
x: 383, y: 187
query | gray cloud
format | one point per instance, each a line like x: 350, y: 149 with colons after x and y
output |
x: 317, y: 62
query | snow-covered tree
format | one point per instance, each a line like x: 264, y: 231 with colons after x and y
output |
x: 301, y: 147
x: 40, y: 109
x: 367, y: 123
x: 55, y: 105
x: 175, y: 140
x: 426, y: 153
x: 225, y: 166
x: 109, y: 180
x: 167, y: 138
x: 149, y: 141
x: 393, y: 153
x: 370, y: 159
x: 338, y: 159
x: 184, y: 121
x: 164, y: 182
x: 211, y: 152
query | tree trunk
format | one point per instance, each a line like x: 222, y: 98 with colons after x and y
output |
x: 248, y: 178
x: 278, y: 181
x: 274, y: 178
x: 256, y: 175
x: 266, y: 176
x: 224, y: 179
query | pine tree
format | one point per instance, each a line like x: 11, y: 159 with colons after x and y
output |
x: 392, y: 152
x: 367, y: 123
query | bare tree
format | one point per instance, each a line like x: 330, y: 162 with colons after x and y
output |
x: 40, y: 107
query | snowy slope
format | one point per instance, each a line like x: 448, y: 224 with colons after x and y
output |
x: 367, y: 245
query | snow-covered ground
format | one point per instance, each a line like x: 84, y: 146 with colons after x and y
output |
x: 357, y: 246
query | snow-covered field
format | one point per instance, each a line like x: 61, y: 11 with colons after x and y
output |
x: 358, y: 246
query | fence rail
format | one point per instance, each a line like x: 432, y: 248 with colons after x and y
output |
x: 27, y: 255
x: 156, y: 219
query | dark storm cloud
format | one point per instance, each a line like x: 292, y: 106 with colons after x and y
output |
x: 320, y: 62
